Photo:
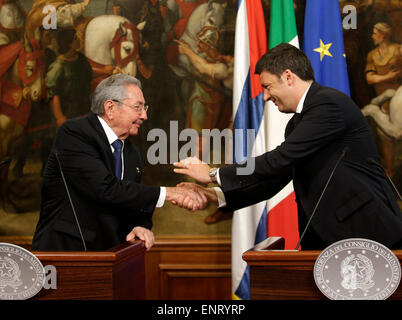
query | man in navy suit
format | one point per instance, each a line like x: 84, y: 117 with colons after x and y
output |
x: 102, y: 171
x: 326, y: 124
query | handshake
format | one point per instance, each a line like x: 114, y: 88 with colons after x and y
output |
x: 192, y: 196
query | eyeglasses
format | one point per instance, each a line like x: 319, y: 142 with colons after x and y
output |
x: 138, y: 108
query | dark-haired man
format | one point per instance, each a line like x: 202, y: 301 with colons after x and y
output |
x: 326, y: 124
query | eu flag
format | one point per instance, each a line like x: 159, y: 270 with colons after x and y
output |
x: 323, y: 43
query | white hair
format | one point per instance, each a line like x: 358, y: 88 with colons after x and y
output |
x: 111, y: 88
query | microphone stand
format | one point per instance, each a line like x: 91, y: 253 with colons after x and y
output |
x: 345, y: 150
x: 71, y: 202
x: 372, y: 161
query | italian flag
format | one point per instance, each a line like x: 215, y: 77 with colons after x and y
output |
x: 282, y: 209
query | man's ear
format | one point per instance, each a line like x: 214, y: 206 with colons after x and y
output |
x: 289, y: 76
x: 108, y: 107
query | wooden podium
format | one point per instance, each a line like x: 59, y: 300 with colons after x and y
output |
x: 118, y: 273
x: 288, y: 275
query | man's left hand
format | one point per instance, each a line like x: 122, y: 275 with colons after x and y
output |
x: 194, y: 168
x: 143, y: 234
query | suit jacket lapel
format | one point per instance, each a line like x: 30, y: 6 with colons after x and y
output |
x: 132, y: 162
x: 310, y: 96
x: 104, y: 142
x: 294, y: 121
x: 94, y: 121
x: 126, y: 158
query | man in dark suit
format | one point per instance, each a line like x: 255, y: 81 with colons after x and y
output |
x: 326, y: 127
x: 102, y: 171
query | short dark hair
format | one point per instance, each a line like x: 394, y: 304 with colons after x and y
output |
x: 286, y: 56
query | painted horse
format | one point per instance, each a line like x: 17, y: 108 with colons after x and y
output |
x: 112, y: 46
x: 210, y: 14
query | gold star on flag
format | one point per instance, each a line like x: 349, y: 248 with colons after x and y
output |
x: 324, y: 50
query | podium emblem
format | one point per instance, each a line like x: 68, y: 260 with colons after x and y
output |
x: 22, y: 275
x: 357, y: 269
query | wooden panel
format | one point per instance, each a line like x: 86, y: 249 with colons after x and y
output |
x: 204, y: 287
x: 282, y: 275
x: 175, y: 266
x: 118, y: 273
x: 75, y: 282
x: 179, y: 281
x: 22, y: 241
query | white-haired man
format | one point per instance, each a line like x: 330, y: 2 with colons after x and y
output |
x: 102, y: 171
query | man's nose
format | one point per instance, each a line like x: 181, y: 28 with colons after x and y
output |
x: 144, y: 115
x: 267, y: 96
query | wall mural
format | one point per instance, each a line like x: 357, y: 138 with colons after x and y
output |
x: 182, y: 51
x: 375, y: 63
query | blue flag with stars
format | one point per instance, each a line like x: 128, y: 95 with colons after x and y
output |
x: 323, y: 43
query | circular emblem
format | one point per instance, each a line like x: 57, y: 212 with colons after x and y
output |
x: 357, y: 269
x: 21, y: 273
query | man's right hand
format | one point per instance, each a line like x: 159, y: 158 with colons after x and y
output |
x: 191, y: 199
x: 209, y: 193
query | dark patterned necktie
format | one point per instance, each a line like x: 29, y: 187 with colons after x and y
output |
x: 296, y: 119
x: 293, y: 122
x: 117, y: 145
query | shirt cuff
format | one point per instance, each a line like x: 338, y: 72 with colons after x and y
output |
x: 218, y: 179
x: 162, y: 197
x: 221, y: 197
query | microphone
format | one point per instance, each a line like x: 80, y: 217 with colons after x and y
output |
x: 71, y: 202
x: 5, y: 161
x: 372, y: 161
x: 344, y: 152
